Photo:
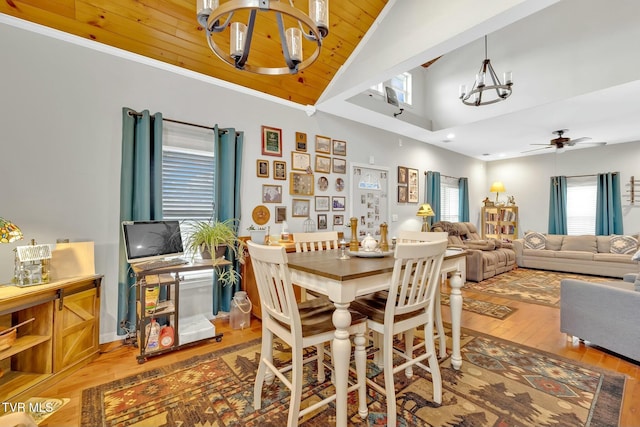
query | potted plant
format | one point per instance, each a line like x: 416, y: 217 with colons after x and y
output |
x: 215, y: 237
x: 258, y: 234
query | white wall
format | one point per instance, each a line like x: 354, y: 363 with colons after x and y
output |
x: 60, y: 120
x: 527, y: 178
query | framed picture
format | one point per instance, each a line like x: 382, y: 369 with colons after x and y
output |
x: 339, y: 184
x: 338, y: 220
x: 281, y: 214
x: 279, y: 170
x: 322, y: 203
x: 338, y: 203
x: 412, y: 190
x: 300, y: 207
x: 402, y: 175
x: 339, y: 165
x: 323, y: 144
x: 323, y: 164
x: 300, y: 184
x: 271, y: 193
x: 301, y: 141
x: 323, y: 183
x: 271, y: 141
x: 262, y: 168
x: 339, y: 148
x: 300, y: 161
x: 322, y: 221
x: 402, y: 194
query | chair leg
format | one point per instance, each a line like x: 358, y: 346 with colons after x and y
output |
x: 408, y: 350
x: 389, y: 385
x: 434, y: 367
x: 378, y: 343
x: 320, y: 354
x: 296, y: 387
x: 265, y: 353
x: 361, y: 372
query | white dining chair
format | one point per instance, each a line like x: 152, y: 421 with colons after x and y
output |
x: 410, y: 236
x: 408, y: 303
x: 317, y: 241
x: 299, y: 325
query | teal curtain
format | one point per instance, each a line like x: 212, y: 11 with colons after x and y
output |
x: 140, y: 194
x: 432, y: 195
x: 558, y: 205
x: 228, y: 149
x: 608, y: 205
x: 463, y: 200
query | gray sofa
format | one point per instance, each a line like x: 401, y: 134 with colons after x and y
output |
x: 575, y: 254
x: 605, y: 314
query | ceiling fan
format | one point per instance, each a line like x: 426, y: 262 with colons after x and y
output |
x: 562, y: 141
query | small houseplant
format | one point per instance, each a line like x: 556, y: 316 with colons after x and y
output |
x: 212, y: 239
x: 258, y: 234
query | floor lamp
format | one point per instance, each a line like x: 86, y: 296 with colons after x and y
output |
x: 425, y: 212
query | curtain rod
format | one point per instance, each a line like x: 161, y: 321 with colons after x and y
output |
x: 446, y: 176
x: 135, y: 113
x: 584, y: 176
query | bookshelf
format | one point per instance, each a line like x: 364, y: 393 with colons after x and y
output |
x: 500, y: 222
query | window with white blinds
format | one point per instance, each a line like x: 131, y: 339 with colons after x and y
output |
x: 581, y: 205
x: 188, y: 174
x: 449, y: 199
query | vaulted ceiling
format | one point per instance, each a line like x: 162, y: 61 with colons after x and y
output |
x: 574, y: 63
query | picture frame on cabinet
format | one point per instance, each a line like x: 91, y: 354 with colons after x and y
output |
x: 271, y: 141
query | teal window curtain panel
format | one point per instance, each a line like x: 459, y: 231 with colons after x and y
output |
x: 463, y: 200
x: 140, y: 195
x: 432, y: 195
x: 558, y: 205
x: 608, y: 205
x: 228, y: 149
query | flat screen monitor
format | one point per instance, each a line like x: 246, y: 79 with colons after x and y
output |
x: 152, y: 240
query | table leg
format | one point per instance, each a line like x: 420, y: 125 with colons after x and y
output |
x: 442, y: 339
x: 341, y: 356
x: 456, y: 315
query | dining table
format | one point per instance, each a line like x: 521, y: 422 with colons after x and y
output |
x: 343, y: 278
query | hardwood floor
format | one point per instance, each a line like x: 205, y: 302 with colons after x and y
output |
x: 532, y: 325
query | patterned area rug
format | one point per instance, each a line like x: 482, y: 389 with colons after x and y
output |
x: 485, y: 308
x: 500, y: 384
x: 533, y: 286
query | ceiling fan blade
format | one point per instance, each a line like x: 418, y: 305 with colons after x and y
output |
x: 593, y: 143
x: 575, y: 141
x: 537, y: 149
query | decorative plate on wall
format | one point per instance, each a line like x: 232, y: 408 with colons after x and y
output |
x: 260, y: 215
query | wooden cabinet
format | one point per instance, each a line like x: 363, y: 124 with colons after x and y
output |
x: 500, y: 222
x: 62, y: 337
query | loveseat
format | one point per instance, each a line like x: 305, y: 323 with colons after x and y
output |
x: 605, y: 314
x: 485, y: 258
x: 608, y: 256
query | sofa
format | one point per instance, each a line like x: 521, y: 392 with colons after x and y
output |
x: 605, y: 314
x: 608, y: 256
x: 485, y: 258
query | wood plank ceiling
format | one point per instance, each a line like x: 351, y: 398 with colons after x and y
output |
x: 167, y: 30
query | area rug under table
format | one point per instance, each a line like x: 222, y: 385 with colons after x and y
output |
x: 486, y: 308
x: 500, y: 384
x: 533, y: 286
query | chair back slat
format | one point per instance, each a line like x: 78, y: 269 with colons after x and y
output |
x: 415, y: 277
x: 318, y: 241
x: 273, y: 278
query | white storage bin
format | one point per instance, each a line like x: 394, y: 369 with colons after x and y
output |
x: 194, y: 328
x: 196, y: 296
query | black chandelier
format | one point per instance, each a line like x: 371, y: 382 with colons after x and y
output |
x: 495, y: 92
x: 215, y: 17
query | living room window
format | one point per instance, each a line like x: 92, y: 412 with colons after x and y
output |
x: 449, y: 199
x: 581, y: 205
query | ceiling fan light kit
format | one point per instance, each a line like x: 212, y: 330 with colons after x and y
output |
x: 494, y: 92
x: 216, y: 16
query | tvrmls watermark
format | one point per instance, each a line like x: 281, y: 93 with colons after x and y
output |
x: 32, y: 407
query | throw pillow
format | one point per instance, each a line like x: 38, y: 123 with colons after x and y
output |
x: 623, y: 244
x: 636, y: 256
x: 534, y: 240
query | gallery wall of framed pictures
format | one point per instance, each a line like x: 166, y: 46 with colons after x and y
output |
x: 316, y: 171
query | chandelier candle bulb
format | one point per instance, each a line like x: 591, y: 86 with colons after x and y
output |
x: 294, y: 44
x: 238, y: 31
x: 463, y: 91
x: 507, y: 78
x: 319, y: 14
x: 206, y: 6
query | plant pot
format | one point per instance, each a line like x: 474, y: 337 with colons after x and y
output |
x: 258, y: 236
x: 220, y: 251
